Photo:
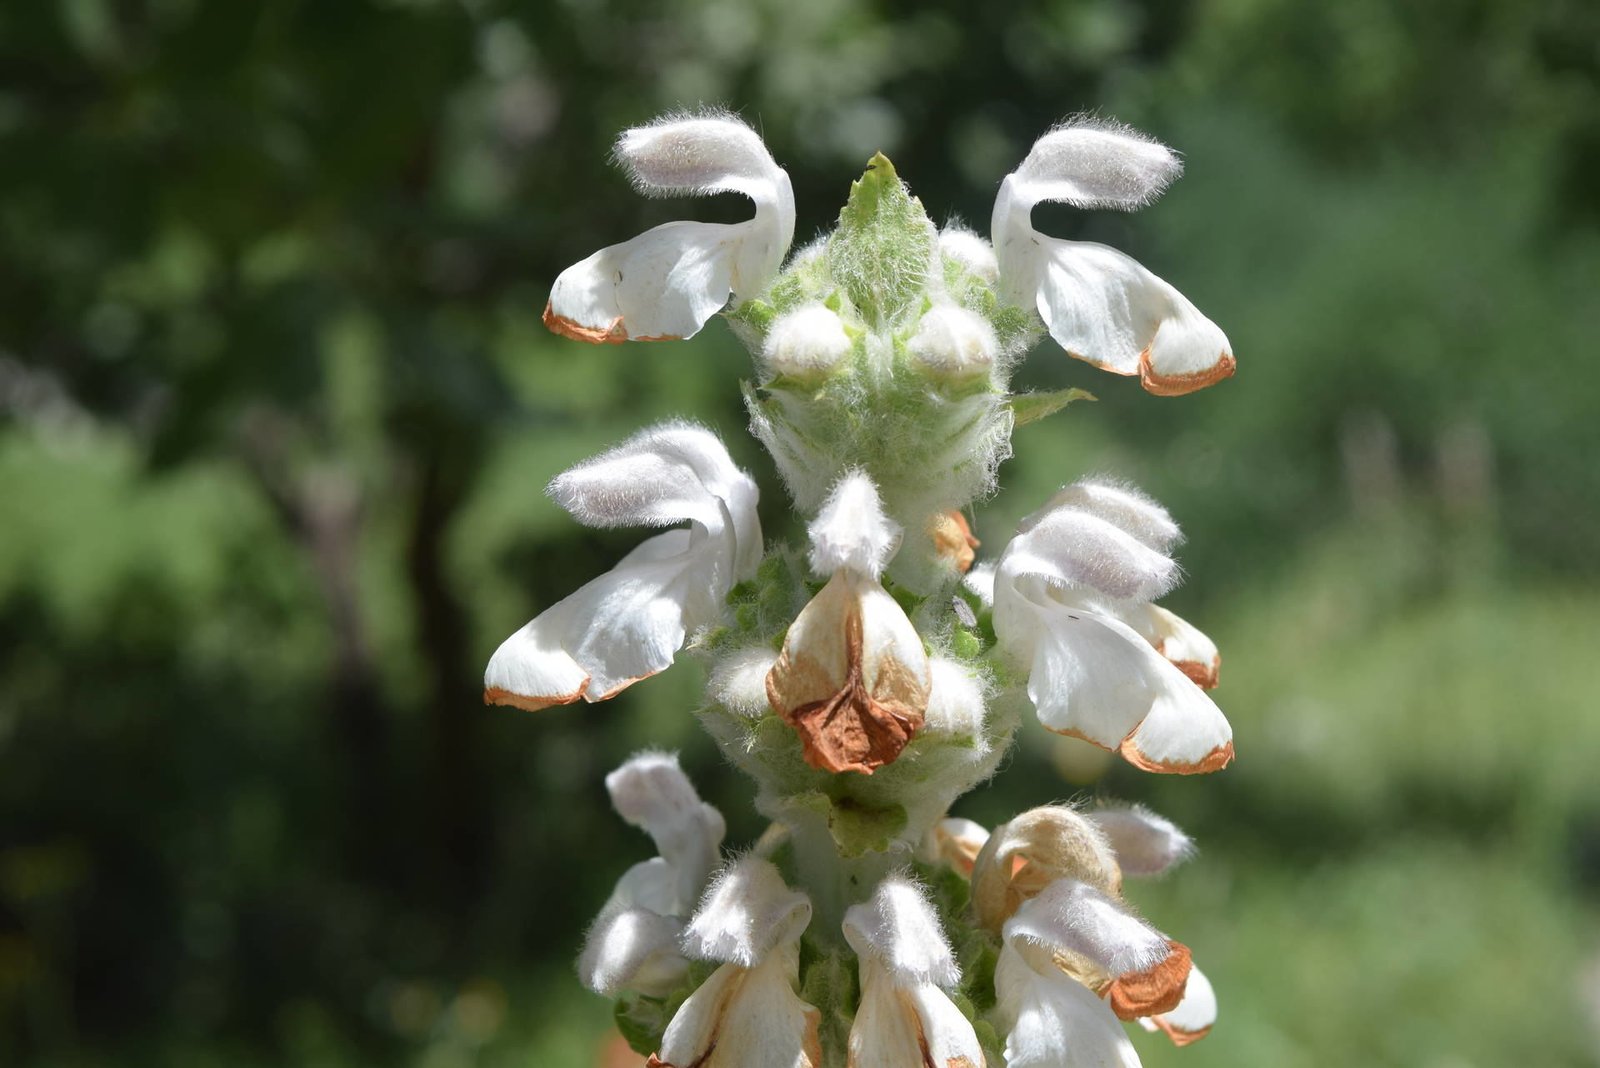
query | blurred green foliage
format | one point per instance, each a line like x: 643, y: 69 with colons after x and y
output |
x: 276, y: 408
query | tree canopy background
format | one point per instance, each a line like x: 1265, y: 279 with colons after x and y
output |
x: 276, y: 409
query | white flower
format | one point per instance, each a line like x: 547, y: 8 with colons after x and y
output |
x: 633, y: 945
x: 1098, y: 304
x: 746, y: 1014
x: 1059, y: 948
x: 630, y: 622
x: 665, y: 283
x: 905, y: 1020
x: 853, y: 678
x: 1072, y: 595
x: 1050, y: 881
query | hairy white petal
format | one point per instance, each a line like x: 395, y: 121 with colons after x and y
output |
x: 1091, y: 163
x: 953, y: 341
x: 1103, y: 307
x: 1185, y: 730
x: 623, y: 626
x: 745, y: 1018
x: 1145, y: 843
x: 650, y: 884
x: 898, y: 928
x: 1068, y: 547
x: 851, y: 532
x: 1121, y: 505
x: 1053, y: 1021
x: 971, y: 251
x: 903, y: 1024
x: 807, y: 342
x: 668, y: 281
x: 629, y: 623
x: 665, y: 474
x: 955, y: 699
x: 1069, y: 916
x: 1180, y: 641
x: 686, y: 155
x: 631, y: 948
x: 746, y: 912
x: 738, y: 681
x: 651, y: 792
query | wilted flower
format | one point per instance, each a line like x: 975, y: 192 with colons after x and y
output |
x: 869, y: 679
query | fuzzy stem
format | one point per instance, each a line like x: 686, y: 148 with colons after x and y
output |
x: 835, y: 882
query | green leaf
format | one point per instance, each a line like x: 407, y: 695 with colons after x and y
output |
x: 1032, y: 407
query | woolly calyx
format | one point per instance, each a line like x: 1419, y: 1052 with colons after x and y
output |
x: 853, y: 677
x: 1099, y: 304
x: 665, y: 283
x: 630, y: 623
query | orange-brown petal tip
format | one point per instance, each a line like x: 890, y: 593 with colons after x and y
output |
x: 494, y: 695
x: 1177, y: 385
x: 1202, y: 674
x: 612, y: 334
x: 1216, y: 760
x: 1155, y: 990
x: 953, y: 540
x: 1179, y: 1037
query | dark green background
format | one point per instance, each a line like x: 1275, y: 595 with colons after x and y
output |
x: 276, y: 410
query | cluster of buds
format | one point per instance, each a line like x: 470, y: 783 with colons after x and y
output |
x: 870, y: 678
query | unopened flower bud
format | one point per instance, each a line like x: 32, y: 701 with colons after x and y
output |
x: 972, y: 252
x: 953, y: 341
x: 809, y: 342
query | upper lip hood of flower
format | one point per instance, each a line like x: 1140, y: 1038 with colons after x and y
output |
x: 629, y: 623
x: 665, y: 283
x: 1099, y: 304
x: 1066, y: 592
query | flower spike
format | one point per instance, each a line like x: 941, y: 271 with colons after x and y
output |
x: 629, y: 623
x: 664, y: 284
x: 1099, y: 304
